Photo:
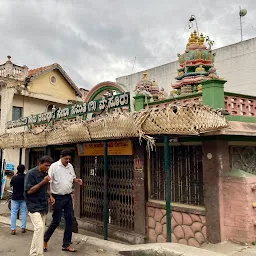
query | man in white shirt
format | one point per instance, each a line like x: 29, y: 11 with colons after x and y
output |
x: 62, y: 176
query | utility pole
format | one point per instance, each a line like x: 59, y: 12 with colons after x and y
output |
x: 242, y: 13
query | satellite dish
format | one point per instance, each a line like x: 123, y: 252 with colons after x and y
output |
x: 243, y: 12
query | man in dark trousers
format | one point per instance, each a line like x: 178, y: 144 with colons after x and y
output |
x: 63, y: 177
x: 18, y: 201
x: 36, y: 196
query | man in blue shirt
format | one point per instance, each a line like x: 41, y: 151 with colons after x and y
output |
x: 36, y: 197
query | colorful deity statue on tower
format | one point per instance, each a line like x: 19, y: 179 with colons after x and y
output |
x: 151, y: 88
x: 196, y: 65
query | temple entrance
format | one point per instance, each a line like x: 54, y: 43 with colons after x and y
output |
x: 34, y: 155
x: 54, y: 151
x: 120, y: 189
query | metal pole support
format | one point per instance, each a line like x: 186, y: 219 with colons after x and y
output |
x: 168, y: 191
x: 105, y: 209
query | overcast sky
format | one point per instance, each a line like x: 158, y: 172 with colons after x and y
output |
x: 97, y: 40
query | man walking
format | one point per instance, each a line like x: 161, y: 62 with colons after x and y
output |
x: 18, y: 201
x: 36, y: 196
x: 62, y: 176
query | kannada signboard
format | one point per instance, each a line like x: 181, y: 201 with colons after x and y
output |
x: 80, y: 109
x: 115, y: 148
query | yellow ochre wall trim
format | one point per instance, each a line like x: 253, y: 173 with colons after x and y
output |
x: 60, y: 89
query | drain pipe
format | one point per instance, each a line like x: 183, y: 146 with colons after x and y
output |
x: 168, y: 191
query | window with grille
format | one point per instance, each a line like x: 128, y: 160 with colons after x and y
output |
x: 16, y: 113
x: 186, y: 174
x: 243, y: 158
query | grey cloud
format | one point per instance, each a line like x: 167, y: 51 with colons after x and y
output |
x: 98, y: 40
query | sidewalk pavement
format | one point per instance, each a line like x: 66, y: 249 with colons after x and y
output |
x: 19, y: 245
x: 232, y: 249
x: 93, y: 246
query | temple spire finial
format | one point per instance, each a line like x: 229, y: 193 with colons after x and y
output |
x: 9, y: 58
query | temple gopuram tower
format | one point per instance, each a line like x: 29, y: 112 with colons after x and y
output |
x: 196, y: 66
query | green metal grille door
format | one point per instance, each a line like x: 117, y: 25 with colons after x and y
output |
x: 120, y: 190
x: 92, y: 192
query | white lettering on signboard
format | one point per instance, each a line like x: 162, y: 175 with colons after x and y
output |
x: 92, y: 106
x: 75, y: 110
x: 62, y: 113
x: 78, y: 109
x: 103, y: 103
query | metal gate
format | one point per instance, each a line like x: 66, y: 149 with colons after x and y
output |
x: 120, y: 189
x: 34, y: 156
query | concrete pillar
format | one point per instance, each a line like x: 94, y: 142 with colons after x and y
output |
x: 23, y: 159
x: 25, y: 72
x: 6, y: 106
x: 215, y: 164
x: 140, y: 169
x: 213, y: 93
x: 26, y: 158
x: 9, y: 67
x: 140, y: 101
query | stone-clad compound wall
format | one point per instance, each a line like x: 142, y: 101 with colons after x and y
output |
x: 239, y: 208
x: 187, y: 228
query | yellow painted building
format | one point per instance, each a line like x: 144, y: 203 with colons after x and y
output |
x: 53, y: 81
x: 25, y: 92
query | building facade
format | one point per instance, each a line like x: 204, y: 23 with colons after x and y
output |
x: 236, y: 62
x: 26, y: 92
x: 180, y: 167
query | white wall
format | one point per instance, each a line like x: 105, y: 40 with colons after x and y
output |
x: 13, y: 155
x: 30, y: 105
x: 235, y: 63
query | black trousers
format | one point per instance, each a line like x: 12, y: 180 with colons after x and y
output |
x: 62, y: 203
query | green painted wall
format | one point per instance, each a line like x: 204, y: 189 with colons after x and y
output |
x: 139, y: 103
x: 247, y: 119
x: 213, y: 93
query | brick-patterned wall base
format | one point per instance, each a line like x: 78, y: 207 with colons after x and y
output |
x: 187, y: 228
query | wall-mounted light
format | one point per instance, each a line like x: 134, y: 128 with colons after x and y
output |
x: 209, y: 155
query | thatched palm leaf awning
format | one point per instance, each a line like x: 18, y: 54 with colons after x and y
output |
x: 179, y: 120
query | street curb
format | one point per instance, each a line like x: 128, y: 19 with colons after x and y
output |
x: 174, y: 248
